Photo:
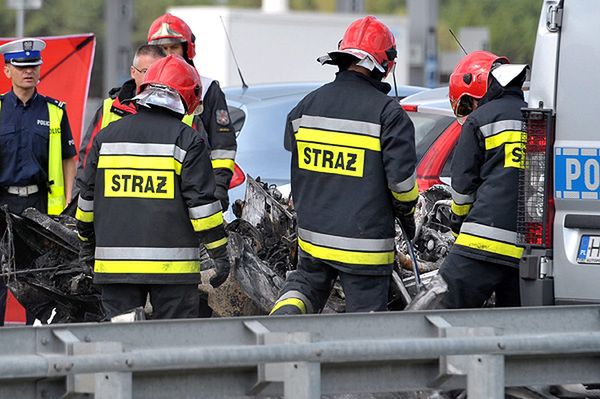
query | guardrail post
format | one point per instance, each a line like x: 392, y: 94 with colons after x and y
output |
x: 301, y: 380
x: 485, y: 378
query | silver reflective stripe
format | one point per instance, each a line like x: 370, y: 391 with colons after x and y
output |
x: 149, y: 149
x: 493, y: 233
x: 222, y: 154
x: 405, y: 185
x: 85, y: 205
x: 500, y: 126
x: 462, y: 199
x: 203, y: 211
x: 338, y: 125
x: 145, y: 253
x: 353, y: 244
x: 297, y: 295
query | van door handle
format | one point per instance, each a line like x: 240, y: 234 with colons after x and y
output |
x: 582, y: 222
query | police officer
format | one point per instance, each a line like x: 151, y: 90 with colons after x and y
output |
x: 37, y: 153
x: 353, y: 172
x: 176, y: 37
x: 485, y: 170
x: 119, y: 103
x: 147, y: 197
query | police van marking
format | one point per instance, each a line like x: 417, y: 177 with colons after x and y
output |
x: 577, y: 173
x: 332, y: 159
x: 126, y: 183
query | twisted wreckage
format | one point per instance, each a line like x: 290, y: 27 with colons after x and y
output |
x: 39, y: 256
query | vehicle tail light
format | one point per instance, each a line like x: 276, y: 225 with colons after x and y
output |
x: 432, y: 164
x: 238, y: 177
x: 535, y: 210
x: 409, y: 108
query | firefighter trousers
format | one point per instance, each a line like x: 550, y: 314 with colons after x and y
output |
x: 314, y: 279
x: 471, y: 282
x: 175, y: 301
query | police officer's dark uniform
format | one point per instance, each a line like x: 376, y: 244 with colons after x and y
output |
x: 147, y: 198
x: 352, y: 173
x: 35, y: 138
x: 485, y: 171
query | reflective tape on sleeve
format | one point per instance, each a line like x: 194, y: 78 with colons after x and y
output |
x: 202, y: 211
x: 407, y: 196
x: 461, y: 210
x: 207, y: 223
x: 405, y: 185
x: 228, y: 164
x: 216, y: 244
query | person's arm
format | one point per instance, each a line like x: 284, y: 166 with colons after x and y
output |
x: 400, y: 160
x: 69, y: 169
x: 68, y: 156
x: 85, y: 144
x: 466, y: 165
x: 221, y: 136
x: 206, y: 217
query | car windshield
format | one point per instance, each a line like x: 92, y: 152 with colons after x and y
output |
x: 428, y: 128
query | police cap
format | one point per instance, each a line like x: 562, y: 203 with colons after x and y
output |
x: 23, y: 52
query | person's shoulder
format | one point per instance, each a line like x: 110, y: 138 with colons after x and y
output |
x: 53, y: 101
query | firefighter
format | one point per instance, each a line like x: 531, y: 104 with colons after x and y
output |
x: 353, y: 172
x: 176, y: 37
x: 37, y: 153
x: 119, y: 103
x: 147, y: 196
x: 486, y: 96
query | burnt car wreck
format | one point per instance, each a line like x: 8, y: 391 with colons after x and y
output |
x: 39, y: 256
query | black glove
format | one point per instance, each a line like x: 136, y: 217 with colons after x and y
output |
x: 222, y: 195
x: 222, y: 268
x: 408, y: 224
x: 86, y: 256
x: 456, y: 223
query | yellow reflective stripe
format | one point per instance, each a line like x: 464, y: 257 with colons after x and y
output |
x: 223, y: 163
x: 461, y: 210
x: 139, y: 162
x: 216, y: 244
x: 82, y: 238
x: 487, y: 245
x: 56, y: 192
x: 454, y: 235
x: 407, y: 196
x: 83, y: 216
x: 509, y: 136
x: 108, y: 116
x: 344, y: 256
x: 188, y: 120
x: 208, y: 222
x: 290, y: 301
x: 147, y: 266
x: 339, y: 138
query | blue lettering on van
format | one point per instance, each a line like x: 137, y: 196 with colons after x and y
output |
x: 577, y: 173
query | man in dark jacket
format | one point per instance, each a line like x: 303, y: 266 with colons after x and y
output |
x: 485, y: 170
x: 147, y: 198
x: 353, y: 172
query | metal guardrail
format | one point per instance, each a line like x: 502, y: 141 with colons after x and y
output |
x: 305, y: 356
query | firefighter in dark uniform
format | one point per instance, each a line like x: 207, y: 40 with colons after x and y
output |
x: 147, y: 198
x: 118, y: 104
x: 353, y: 172
x: 37, y: 153
x: 176, y: 37
x: 485, y: 170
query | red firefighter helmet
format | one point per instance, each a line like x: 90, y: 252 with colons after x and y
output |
x: 368, y: 35
x: 470, y: 78
x: 174, y: 72
x: 170, y: 29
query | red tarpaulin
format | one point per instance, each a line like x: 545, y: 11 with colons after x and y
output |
x: 65, y: 74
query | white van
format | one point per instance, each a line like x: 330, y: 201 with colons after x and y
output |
x: 559, y: 202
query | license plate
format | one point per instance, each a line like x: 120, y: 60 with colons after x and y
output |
x: 589, y: 249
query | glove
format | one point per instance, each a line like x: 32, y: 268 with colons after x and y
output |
x: 408, y: 224
x: 222, y: 195
x: 222, y: 268
x: 86, y: 256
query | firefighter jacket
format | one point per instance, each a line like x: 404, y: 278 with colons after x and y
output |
x: 35, y: 138
x: 353, y: 170
x: 214, y: 122
x: 146, y: 197
x: 485, y: 173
